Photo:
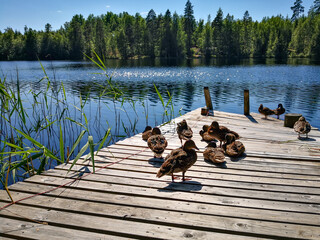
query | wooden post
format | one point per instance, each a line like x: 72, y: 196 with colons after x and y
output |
x: 290, y: 119
x: 246, y: 102
x: 208, y: 98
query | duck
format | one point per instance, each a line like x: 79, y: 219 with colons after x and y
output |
x: 146, y: 133
x: 205, y: 134
x: 280, y: 110
x: 265, y: 111
x: 219, y: 132
x: 179, y: 160
x: 214, y: 154
x: 232, y: 147
x: 157, y: 142
x: 302, y: 126
x: 184, y: 131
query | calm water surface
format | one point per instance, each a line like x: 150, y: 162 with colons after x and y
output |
x: 296, y: 85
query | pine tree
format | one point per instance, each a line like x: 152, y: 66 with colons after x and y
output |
x: 151, y: 32
x: 189, y: 24
x: 217, y: 40
x: 297, y: 9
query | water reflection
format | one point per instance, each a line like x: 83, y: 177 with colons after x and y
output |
x: 295, y: 83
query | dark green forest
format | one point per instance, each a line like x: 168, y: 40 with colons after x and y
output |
x: 170, y: 35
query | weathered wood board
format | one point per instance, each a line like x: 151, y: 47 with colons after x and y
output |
x: 273, y: 192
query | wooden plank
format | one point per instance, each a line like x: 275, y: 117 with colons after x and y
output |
x: 170, y: 193
x: 75, y: 194
x: 204, y: 181
x: 120, y: 226
x: 19, y: 228
x: 168, y: 218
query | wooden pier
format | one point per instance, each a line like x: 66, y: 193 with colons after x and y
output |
x: 271, y: 193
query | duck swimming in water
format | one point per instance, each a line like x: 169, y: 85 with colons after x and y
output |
x: 179, y: 160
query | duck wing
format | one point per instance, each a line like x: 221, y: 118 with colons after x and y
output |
x: 215, y: 155
x: 157, y: 143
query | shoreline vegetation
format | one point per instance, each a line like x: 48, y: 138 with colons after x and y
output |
x: 124, y: 36
x: 49, y: 128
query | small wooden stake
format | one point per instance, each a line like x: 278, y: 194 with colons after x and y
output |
x: 246, y: 102
x: 208, y: 98
x: 290, y: 119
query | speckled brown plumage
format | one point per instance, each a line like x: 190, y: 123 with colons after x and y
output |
x: 232, y: 147
x: 302, y: 126
x: 265, y: 111
x: 157, y: 142
x: 214, y: 154
x: 146, y: 133
x: 179, y: 160
x: 205, y: 134
x: 279, y: 110
x: 220, y: 132
x: 184, y: 131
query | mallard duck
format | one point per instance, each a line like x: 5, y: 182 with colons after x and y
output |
x: 232, y: 147
x: 280, y: 110
x: 214, y: 154
x: 219, y: 132
x: 184, y: 131
x: 265, y: 111
x: 179, y: 160
x: 146, y: 133
x: 302, y: 126
x: 205, y: 134
x: 157, y: 142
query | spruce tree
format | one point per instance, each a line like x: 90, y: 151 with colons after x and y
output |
x: 297, y: 9
x: 189, y: 23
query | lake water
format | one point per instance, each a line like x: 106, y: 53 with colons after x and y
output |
x: 295, y: 84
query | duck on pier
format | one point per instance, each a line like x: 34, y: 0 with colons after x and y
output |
x: 157, y: 142
x: 220, y: 132
x: 205, y: 134
x: 280, y: 110
x: 146, y: 133
x: 179, y: 160
x: 184, y: 131
x: 214, y: 154
x: 302, y: 126
x: 232, y: 147
x: 265, y: 111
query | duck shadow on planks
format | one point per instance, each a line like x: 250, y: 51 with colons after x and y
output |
x: 186, y: 186
x: 156, y: 162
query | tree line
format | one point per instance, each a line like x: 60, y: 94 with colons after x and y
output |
x: 170, y: 35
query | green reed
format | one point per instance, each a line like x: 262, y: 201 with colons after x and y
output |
x: 28, y: 127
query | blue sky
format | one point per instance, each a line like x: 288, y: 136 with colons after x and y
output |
x: 36, y: 13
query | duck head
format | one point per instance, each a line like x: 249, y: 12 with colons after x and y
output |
x: 215, y: 125
x: 212, y: 144
x: 205, y: 128
x: 156, y: 131
x: 147, y: 128
x: 302, y: 119
x: 261, y: 106
x: 230, y: 138
x: 183, y: 124
x: 189, y: 144
x: 280, y: 106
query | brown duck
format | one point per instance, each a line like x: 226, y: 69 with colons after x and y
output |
x: 214, y: 154
x: 179, y: 160
x: 302, y: 126
x: 157, y: 142
x: 265, y: 111
x: 280, y: 110
x: 205, y: 134
x: 146, y: 133
x: 184, y: 131
x: 220, y: 132
x: 232, y: 147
